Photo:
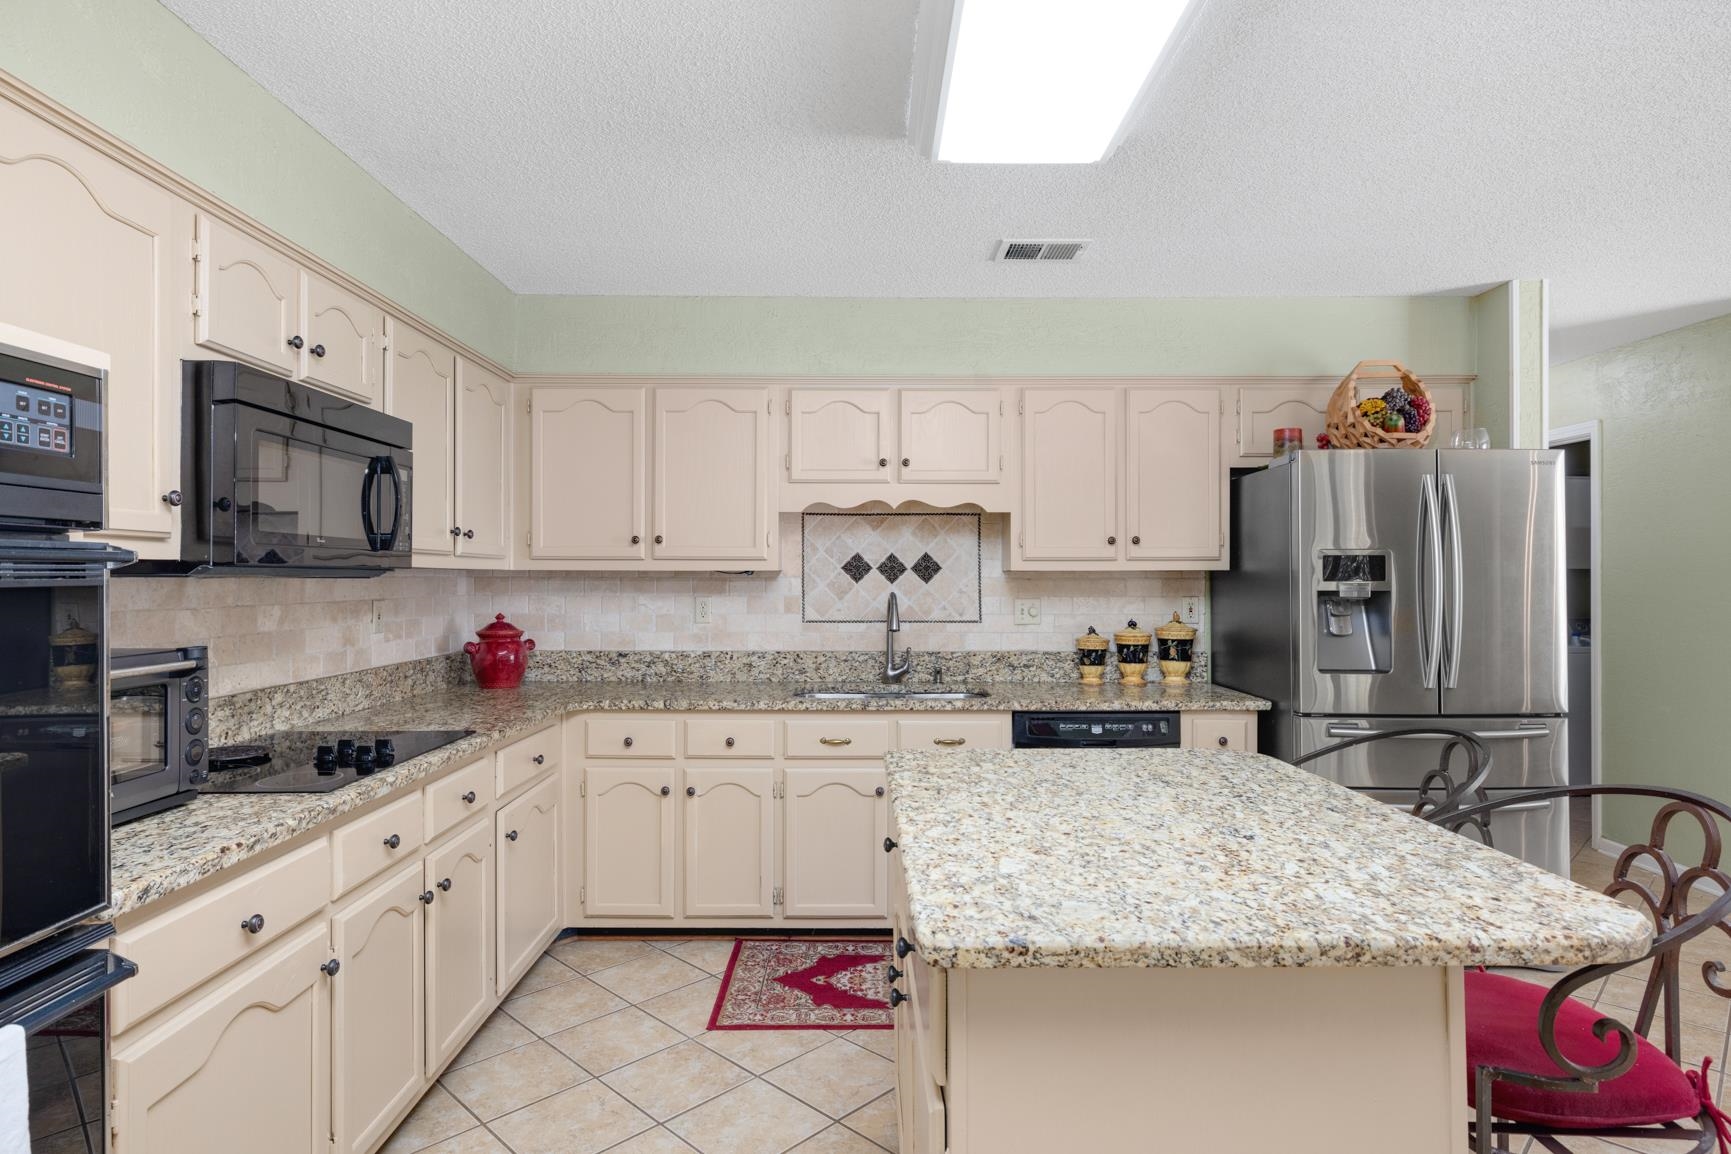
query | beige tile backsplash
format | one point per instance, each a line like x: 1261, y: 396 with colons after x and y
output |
x: 266, y: 631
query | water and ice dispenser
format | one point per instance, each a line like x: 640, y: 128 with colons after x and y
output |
x: 1354, y: 606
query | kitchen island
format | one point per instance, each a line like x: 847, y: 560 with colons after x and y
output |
x: 1195, y: 950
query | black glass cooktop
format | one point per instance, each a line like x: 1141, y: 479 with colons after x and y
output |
x: 316, y: 760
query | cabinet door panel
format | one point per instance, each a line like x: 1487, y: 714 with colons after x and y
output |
x: 248, y: 299
x: 244, y: 1067
x: 587, y: 472
x: 1263, y: 410
x: 1448, y: 403
x: 351, y: 334
x: 1174, y: 480
x: 421, y: 391
x: 711, y: 474
x: 729, y: 842
x: 628, y: 842
x: 1069, y: 475
x: 378, y: 1018
x: 86, y: 247
x: 836, y: 824
x: 483, y: 447
x: 459, y: 941
x: 839, y: 435
x: 527, y: 838
x: 950, y: 435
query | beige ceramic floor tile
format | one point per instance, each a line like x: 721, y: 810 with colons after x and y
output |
x: 582, y: 1120
x: 657, y: 1141
x: 876, y: 1120
x: 616, y: 1040
x: 476, y: 1141
x: 497, y: 1034
x: 586, y: 955
x: 880, y: 1042
x: 711, y: 954
x: 755, y: 1118
x: 547, y: 971
x: 675, y: 1080
x: 563, y: 1006
x: 687, y: 1010
x: 648, y: 976
x: 761, y: 1050
x: 837, y: 1078
x: 436, y: 1116
x: 508, y: 1081
x: 838, y: 1139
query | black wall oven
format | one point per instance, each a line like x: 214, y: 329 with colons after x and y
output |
x: 50, y: 442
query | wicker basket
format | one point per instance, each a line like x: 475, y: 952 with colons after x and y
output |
x: 1347, y: 428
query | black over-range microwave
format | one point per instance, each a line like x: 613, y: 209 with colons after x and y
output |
x: 285, y: 480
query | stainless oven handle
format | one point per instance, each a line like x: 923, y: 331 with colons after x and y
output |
x: 152, y: 670
x: 1525, y: 733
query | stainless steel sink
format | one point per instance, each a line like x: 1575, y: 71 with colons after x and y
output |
x: 899, y: 694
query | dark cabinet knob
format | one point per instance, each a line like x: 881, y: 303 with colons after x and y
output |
x: 895, y: 975
x: 1136, y: 540
x: 456, y: 531
x: 883, y: 462
x: 691, y: 791
x: 665, y: 790
x: 1223, y: 742
x: 636, y: 540
x: 903, y: 947
x: 890, y: 843
x: 445, y: 884
x: 172, y: 498
x: 393, y: 842
x: 295, y: 341
x: 897, y: 998
x: 905, y: 462
x: 469, y: 798
x: 658, y: 538
x: 1111, y: 540
x: 330, y: 968
x: 427, y: 897
x: 730, y: 743
x: 511, y: 835
x: 468, y: 534
x: 254, y: 924
x: 629, y: 743
x: 317, y: 350
x: 223, y: 504
x: 879, y: 791
x: 539, y: 759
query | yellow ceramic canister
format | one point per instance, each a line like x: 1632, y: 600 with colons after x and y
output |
x: 1091, y: 657
x: 1132, y: 642
x: 1176, y: 641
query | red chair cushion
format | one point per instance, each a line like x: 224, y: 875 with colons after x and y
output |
x: 1503, y: 1030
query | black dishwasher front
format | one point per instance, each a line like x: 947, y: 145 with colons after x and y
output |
x: 1094, y: 729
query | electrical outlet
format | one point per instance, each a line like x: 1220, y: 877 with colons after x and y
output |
x: 1192, y: 611
x: 378, y: 617
x: 1027, y: 611
x: 700, y: 611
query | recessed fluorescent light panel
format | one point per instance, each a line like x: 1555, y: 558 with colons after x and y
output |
x: 1033, y: 81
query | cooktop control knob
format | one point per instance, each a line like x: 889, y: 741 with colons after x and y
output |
x: 385, y: 752
x: 364, y: 760
x: 325, y: 760
x: 346, y: 752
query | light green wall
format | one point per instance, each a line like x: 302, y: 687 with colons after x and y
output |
x: 1665, y: 542
x: 1494, y: 333
x: 132, y: 67
x: 1529, y: 394
x: 788, y: 335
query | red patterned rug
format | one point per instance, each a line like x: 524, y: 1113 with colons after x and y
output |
x: 805, y: 984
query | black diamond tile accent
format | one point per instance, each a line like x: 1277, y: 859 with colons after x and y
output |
x: 892, y: 568
x: 856, y: 567
x: 926, y: 568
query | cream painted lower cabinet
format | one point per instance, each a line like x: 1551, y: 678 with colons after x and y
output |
x: 830, y: 810
x: 729, y: 842
x: 459, y: 940
x: 528, y: 879
x: 628, y: 841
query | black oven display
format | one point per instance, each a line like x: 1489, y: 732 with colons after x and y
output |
x: 38, y: 418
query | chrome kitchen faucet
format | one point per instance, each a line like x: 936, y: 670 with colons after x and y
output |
x: 893, y: 673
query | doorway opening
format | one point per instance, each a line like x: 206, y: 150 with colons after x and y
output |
x: 1581, y: 481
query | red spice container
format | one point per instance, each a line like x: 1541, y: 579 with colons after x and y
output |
x: 501, y: 657
x: 1286, y: 440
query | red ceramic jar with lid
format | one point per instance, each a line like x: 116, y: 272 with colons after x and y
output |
x: 501, y: 657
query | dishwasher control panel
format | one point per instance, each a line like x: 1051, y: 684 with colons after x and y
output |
x: 1088, y: 729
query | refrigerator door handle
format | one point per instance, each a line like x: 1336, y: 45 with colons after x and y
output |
x: 1524, y: 733
x: 1430, y: 563
x: 1457, y: 579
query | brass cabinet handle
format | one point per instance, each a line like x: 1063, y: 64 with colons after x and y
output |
x: 835, y: 741
x: 949, y: 741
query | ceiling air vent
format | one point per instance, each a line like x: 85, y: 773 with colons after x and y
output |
x: 1040, y: 249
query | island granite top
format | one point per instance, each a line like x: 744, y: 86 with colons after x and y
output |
x: 1209, y: 858
x: 157, y: 855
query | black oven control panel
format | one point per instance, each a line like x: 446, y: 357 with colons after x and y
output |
x: 34, y: 417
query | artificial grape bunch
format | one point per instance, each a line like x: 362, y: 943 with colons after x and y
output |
x: 1397, y: 411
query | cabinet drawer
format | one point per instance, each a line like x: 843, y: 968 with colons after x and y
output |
x: 523, y: 761
x: 182, y: 948
x: 629, y: 737
x: 838, y: 737
x: 714, y: 737
x: 451, y: 799
x: 1210, y: 730
x: 368, y: 844
x: 953, y: 733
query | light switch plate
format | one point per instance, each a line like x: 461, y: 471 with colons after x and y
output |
x: 700, y: 611
x: 1027, y: 611
x: 1192, y: 611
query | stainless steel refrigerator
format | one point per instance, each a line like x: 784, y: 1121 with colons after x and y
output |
x: 1387, y: 589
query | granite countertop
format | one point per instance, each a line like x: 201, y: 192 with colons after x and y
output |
x: 1210, y: 858
x: 157, y: 855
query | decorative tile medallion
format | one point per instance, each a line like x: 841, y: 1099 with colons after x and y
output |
x: 851, y: 562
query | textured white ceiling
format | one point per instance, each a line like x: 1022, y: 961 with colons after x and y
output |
x: 759, y: 147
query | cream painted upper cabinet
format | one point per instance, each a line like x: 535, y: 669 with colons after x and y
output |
x: 421, y: 388
x: 628, y: 841
x: 378, y: 1011
x: 247, y: 298
x: 87, y: 260
x: 836, y: 824
x: 729, y: 842
x: 710, y: 485
x: 1069, y: 507
x: 587, y: 473
x: 1265, y: 408
x: 527, y: 887
x: 483, y: 486
x: 950, y: 436
x: 344, y: 341
x: 1174, y: 479
x: 840, y: 435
